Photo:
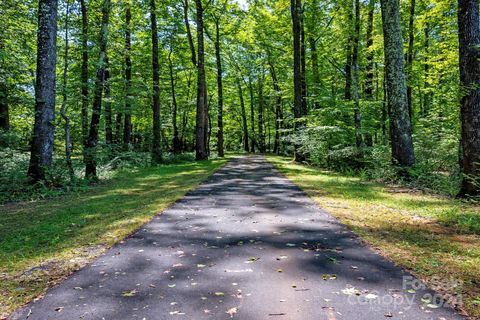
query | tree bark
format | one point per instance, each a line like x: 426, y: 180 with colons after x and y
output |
x: 176, y: 144
x: 108, y: 106
x: 84, y: 72
x: 278, y: 107
x: 315, y: 71
x: 220, y: 90
x: 157, y: 136
x: 68, y: 153
x: 90, y: 154
x: 348, y: 64
x: 127, y: 127
x: 244, y: 116
x: 409, y: 57
x: 401, y: 135
x: 369, y: 52
x: 261, y: 107
x: 469, y: 44
x: 4, y: 108
x: 41, y: 156
x: 298, y: 110
x: 355, y: 80
x: 252, y: 115
x: 202, y: 112
x: 189, y: 32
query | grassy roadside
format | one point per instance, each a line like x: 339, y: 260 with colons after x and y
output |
x: 42, y: 242
x: 436, y: 238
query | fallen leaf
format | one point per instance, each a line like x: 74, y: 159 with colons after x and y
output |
x: 130, y: 293
x: 232, y: 311
x: 219, y: 294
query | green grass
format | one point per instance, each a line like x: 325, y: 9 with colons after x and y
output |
x: 434, y: 237
x: 43, y: 242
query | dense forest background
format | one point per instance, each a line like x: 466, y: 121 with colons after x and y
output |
x: 138, y: 82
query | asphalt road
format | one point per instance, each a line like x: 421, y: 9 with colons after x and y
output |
x: 246, y: 244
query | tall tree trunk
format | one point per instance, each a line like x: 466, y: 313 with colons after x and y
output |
x: 176, y: 144
x: 401, y: 140
x: 469, y: 44
x: 118, y: 128
x: 84, y: 72
x: 189, y: 32
x: 252, y: 115
x: 303, y: 69
x: 315, y: 71
x: 244, y: 116
x: 108, y: 106
x: 202, y: 112
x: 261, y: 107
x: 356, y: 40
x: 68, y: 153
x: 298, y: 111
x: 127, y: 127
x: 409, y: 57
x: 41, y: 156
x: 370, y: 64
x: 4, y: 109
x: 90, y: 154
x: 426, y: 67
x: 157, y: 135
x: 369, y: 52
x: 349, y: 47
x: 220, y: 89
x: 278, y: 107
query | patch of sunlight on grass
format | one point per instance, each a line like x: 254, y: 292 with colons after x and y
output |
x: 43, y: 242
x: 430, y: 235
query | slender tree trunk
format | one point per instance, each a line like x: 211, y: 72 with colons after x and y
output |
x: 202, y: 111
x: 261, y: 107
x: 409, y: 58
x: 68, y: 153
x: 315, y: 71
x: 426, y: 67
x: 252, y: 115
x: 84, y: 72
x: 356, y: 40
x: 4, y: 108
x: 157, y: 136
x: 469, y: 44
x: 348, y: 64
x: 303, y: 63
x: 369, y: 52
x: 176, y: 140
x: 370, y: 65
x: 127, y: 127
x: 41, y: 157
x: 189, y: 32
x: 118, y: 128
x: 401, y: 140
x: 244, y: 116
x: 278, y: 107
x: 220, y: 90
x: 108, y: 105
x: 90, y: 154
x: 298, y: 111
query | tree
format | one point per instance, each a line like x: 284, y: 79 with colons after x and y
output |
x: 41, y: 156
x: 84, y: 72
x: 157, y: 138
x: 127, y: 127
x: 4, y: 109
x: 409, y: 56
x: 90, y: 153
x: 218, y: 58
x: 469, y: 44
x: 63, y: 113
x: 298, y: 104
x: 202, y: 109
x: 355, y: 76
x: 401, y: 130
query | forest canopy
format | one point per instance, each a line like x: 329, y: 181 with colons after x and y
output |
x: 386, y: 89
